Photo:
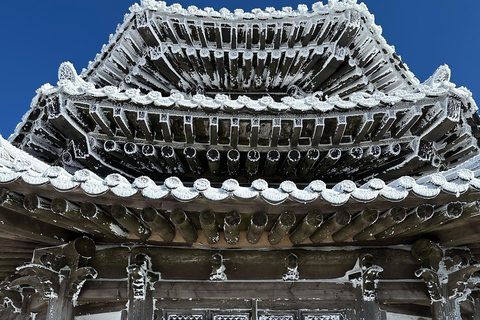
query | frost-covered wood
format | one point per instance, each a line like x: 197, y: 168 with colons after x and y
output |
x: 130, y: 221
x: 281, y: 227
x: 184, y: 226
x: 209, y: 226
x: 158, y: 223
x: 307, y: 227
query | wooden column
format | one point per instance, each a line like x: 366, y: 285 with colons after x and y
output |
x: 233, y: 163
x: 141, y: 279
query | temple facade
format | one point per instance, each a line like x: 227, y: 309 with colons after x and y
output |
x: 265, y: 165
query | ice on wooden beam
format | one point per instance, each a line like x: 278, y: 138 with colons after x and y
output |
x: 130, y: 221
x: 307, y: 227
x: 193, y: 161
x: 291, y: 161
x: 41, y: 209
x: 185, y: 227
x: 389, y: 218
x: 72, y: 211
x: 440, y: 216
x: 231, y: 227
x: 209, y: 226
x: 158, y: 223
x: 281, y: 227
x: 233, y: 162
x: 308, y: 162
x: 271, y: 163
x: 174, y: 162
x: 328, y: 161
x: 95, y: 214
x: 150, y: 152
x: 258, y: 223
x: 252, y: 163
x: 334, y: 223
x: 213, y: 159
x: 358, y: 224
x: 420, y: 214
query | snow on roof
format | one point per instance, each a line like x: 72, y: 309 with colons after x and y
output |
x: 75, y: 86
x: 333, y: 7
x: 16, y: 164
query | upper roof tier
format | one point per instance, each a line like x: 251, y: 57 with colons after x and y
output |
x: 335, y: 49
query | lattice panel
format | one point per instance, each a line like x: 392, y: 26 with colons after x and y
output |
x: 185, y: 317
x: 276, y: 317
x: 231, y: 317
x: 324, y: 317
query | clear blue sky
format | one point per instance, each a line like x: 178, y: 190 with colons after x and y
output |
x: 36, y: 36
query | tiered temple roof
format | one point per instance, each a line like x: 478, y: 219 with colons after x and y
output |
x: 243, y: 164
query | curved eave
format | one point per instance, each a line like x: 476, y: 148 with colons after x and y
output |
x: 463, y: 179
x: 122, y: 60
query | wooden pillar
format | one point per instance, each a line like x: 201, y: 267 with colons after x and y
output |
x: 141, y: 279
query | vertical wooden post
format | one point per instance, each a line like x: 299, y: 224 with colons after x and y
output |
x: 141, y: 279
x: 366, y: 304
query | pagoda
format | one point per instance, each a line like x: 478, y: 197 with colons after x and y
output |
x: 264, y: 165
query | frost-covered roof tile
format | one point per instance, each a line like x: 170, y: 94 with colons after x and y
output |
x: 454, y: 181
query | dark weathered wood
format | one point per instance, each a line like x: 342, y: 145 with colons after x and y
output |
x: 441, y: 216
x: 231, y: 227
x: 40, y: 207
x: 308, y: 162
x: 281, y: 227
x: 386, y: 220
x: 271, y: 163
x: 258, y: 222
x: 420, y: 214
x: 158, y: 223
x: 30, y: 228
x: 150, y: 152
x: 291, y: 161
x: 181, y: 221
x: 72, y: 211
x: 252, y: 163
x: 428, y: 252
x: 209, y: 226
x: 141, y: 279
x: 190, y: 154
x: 93, y: 213
x: 337, y: 221
x: 233, y: 162
x: 358, y: 223
x: 168, y: 153
x: 130, y: 221
x: 328, y: 161
x: 350, y: 158
x: 307, y: 227
x: 213, y: 158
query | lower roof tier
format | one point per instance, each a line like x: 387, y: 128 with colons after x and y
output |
x: 76, y: 125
